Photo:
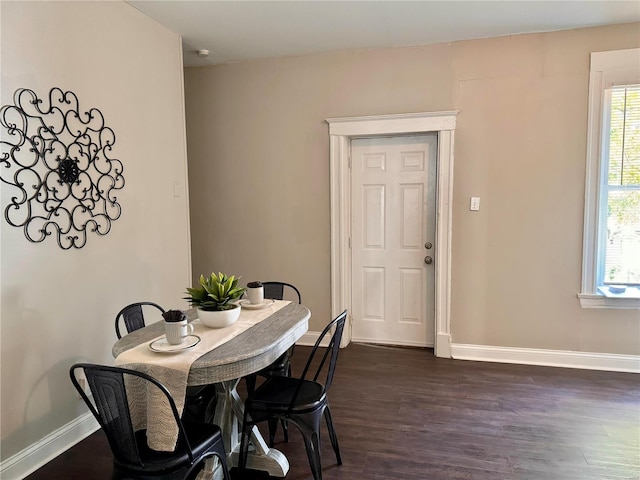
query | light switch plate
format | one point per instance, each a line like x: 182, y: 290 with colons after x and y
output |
x: 178, y: 189
x: 475, y: 204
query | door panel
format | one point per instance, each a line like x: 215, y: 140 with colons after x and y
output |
x: 373, y: 302
x: 412, y: 227
x: 393, y: 216
x: 411, y: 292
x: 373, y: 216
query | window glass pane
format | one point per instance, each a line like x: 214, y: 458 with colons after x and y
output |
x: 622, y: 249
x: 624, y: 136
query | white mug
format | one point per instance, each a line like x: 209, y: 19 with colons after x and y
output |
x: 176, y: 332
x: 255, y: 295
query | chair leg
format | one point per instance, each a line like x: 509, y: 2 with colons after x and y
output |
x: 309, y: 426
x: 332, y: 435
x: 225, y: 471
x: 312, y: 445
x: 273, y: 427
x: 245, y: 436
x: 222, y: 456
x: 250, y: 381
x: 285, y: 427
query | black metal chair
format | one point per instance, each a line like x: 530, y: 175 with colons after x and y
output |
x: 133, y: 459
x: 132, y: 316
x: 299, y: 401
x: 282, y: 365
x: 281, y: 291
x: 200, y: 401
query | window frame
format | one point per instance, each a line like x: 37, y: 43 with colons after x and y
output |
x: 617, y: 67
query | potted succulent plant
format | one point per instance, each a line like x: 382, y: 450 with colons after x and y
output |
x: 214, y: 299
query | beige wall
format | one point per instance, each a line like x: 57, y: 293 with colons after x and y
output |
x: 58, y: 306
x: 259, y: 175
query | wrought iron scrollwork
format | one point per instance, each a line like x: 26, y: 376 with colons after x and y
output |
x: 58, y: 162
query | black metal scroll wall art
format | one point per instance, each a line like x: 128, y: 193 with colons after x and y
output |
x: 57, y: 161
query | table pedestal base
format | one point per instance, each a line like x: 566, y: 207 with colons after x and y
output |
x: 228, y: 415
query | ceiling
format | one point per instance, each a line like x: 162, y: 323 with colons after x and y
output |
x: 235, y: 31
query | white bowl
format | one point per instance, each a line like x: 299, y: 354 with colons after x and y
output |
x: 219, y: 318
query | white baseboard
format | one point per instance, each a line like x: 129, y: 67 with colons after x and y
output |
x: 525, y: 356
x: 550, y: 358
x: 309, y: 339
x: 30, y: 459
x: 443, y: 345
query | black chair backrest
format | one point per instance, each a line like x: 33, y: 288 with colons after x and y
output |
x: 331, y: 352
x: 278, y: 291
x: 133, y: 317
x: 111, y: 407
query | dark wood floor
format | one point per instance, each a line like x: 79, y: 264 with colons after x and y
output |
x: 402, y: 414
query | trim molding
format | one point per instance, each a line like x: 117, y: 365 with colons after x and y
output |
x: 588, y: 300
x: 527, y: 356
x: 443, y: 340
x: 606, y: 69
x: 550, y: 358
x: 27, y: 461
x: 309, y: 339
x: 341, y: 131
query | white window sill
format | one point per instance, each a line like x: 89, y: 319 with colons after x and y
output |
x: 630, y: 299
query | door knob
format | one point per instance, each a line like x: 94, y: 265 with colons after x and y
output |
x: 428, y: 260
x: 428, y: 245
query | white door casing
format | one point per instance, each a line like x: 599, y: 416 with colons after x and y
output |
x: 341, y: 130
x: 393, y: 230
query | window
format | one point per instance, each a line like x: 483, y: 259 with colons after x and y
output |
x: 620, y: 198
x: 611, y: 253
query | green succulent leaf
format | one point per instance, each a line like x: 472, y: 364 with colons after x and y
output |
x: 216, y: 292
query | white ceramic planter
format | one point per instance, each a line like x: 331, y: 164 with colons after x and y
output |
x: 219, y: 318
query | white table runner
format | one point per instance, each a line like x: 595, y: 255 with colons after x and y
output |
x: 150, y: 409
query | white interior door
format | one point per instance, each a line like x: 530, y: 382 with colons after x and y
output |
x: 393, y: 237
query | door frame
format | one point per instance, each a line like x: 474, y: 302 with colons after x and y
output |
x: 341, y: 130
